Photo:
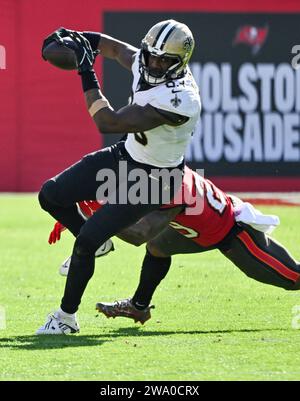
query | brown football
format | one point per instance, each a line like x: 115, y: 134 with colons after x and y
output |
x: 61, y: 56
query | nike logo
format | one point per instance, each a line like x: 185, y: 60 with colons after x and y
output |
x: 103, y: 247
x: 175, y: 91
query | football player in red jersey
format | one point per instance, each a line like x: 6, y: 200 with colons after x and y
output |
x: 221, y: 222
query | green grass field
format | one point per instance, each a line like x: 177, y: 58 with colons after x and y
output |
x: 210, y: 323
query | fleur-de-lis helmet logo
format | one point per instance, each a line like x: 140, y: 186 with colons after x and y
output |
x: 188, y: 44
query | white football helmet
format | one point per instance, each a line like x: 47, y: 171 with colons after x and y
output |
x: 169, y: 39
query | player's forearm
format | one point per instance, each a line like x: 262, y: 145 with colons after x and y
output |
x: 132, y: 236
x: 148, y: 227
x: 104, y: 116
x: 143, y: 230
x: 132, y: 118
x: 127, y: 119
x: 98, y: 106
x: 96, y: 103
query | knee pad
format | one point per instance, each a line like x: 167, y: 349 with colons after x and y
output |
x: 48, y: 194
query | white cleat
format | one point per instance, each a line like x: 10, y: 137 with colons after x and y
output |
x: 64, y: 268
x: 104, y: 249
x: 56, y: 324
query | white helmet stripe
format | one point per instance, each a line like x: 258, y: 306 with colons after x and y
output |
x: 164, y: 34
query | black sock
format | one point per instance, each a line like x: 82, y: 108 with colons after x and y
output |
x: 154, y: 269
x: 81, y: 270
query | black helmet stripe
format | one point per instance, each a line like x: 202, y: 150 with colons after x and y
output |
x: 167, y: 36
x: 159, y: 33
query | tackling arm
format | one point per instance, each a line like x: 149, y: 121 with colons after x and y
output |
x: 149, y: 226
x: 144, y: 230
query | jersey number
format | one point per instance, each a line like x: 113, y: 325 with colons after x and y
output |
x: 141, y: 138
x: 215, y: 198
x: 189, y: 232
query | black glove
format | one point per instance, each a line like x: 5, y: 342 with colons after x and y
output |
x: 84, y: 54
x: 56, y: 36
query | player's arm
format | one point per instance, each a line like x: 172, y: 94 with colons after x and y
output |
x: 114, y: 49
x: 131, y: 118
x: 109, y: 47
x: 149, y: 226
x: 137, y: 234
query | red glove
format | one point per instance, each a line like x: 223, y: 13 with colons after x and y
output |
x: 55, y: 233
x: 88, y: 208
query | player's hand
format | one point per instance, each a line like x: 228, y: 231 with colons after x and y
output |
x: 56, y: 36
x: 84, y: 53
x: 89, y: 207
x: 56, y: 232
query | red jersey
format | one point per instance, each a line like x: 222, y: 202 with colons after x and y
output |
x: 207, y: 218
x: 208, y: 215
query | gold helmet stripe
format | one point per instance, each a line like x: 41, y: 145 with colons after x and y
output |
x: 167, y: 37
x: 159, y: 33
x: 164, y: 34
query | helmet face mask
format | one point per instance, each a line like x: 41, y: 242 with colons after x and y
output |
x: 155, y: 76
x: 173, y: 43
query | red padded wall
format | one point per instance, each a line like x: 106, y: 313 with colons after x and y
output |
x: 44, y: 125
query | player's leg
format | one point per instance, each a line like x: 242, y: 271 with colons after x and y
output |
x: 103, y: 250
x: 157, y: 262
x: 58, y: 196
x: 263, y: 259
x: 104, y: 224
x: 155, y: 267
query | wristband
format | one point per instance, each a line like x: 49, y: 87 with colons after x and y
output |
x: 93, y: 38
x: 89, y: 80
x: 98, y: 105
